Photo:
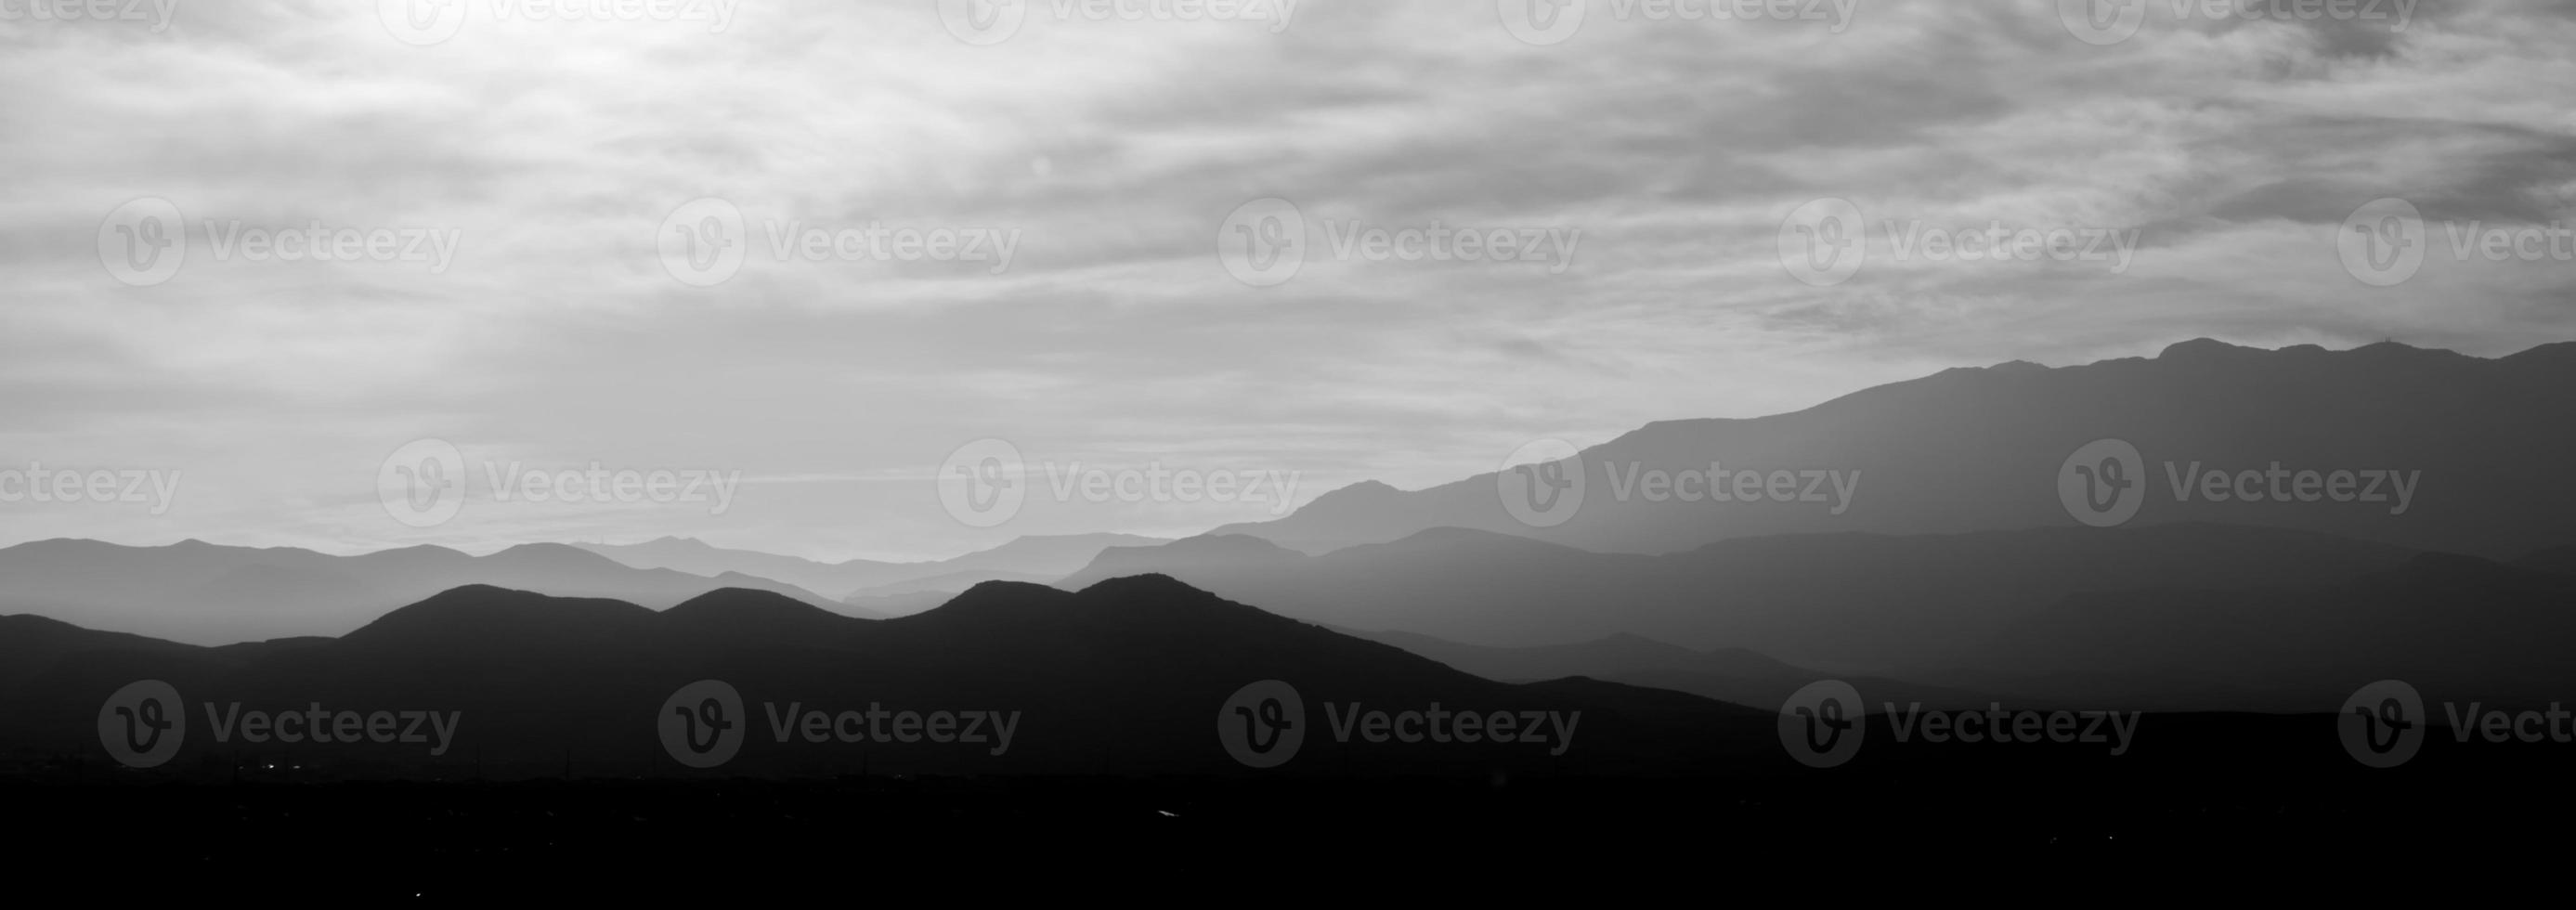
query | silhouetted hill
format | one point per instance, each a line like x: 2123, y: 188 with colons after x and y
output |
x: 1731, y: 675
x: 1124, y: 676
x: 757, y: 615
x: 1980, y: 449
x: 1606, y: 658
x: 483, y: 617
x: 1839, y: 600
x: 30, y: 645
x: 2445, y: 623
x: 207, y: 594
x: 2560, y: 560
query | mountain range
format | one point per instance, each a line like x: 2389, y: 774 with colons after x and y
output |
x: 1127, y: 676
x: 1954, y: 571
x: 862, y: 580
x: 1981, y: 449
x: 215, y: 595
x: 1842, y: 602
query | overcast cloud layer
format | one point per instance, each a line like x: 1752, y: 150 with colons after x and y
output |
x: 553, y: 152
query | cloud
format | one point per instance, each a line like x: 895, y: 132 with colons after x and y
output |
x: 1116, y: 149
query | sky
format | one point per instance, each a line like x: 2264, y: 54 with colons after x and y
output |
x: 788, y: 275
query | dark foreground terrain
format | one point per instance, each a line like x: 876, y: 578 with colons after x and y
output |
x: 2236, y: 790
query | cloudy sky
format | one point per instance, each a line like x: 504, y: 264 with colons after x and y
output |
x: 502, y: 183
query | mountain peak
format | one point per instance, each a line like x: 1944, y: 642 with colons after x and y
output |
x: 485, y: 616
x: 750, y: 610
x: 2202, y: 348
x: 1148, y: 585
x: 1363, y: 490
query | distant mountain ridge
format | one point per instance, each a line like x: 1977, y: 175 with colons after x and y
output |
x: 1980, y: 449
x: 1022, y: 559
x: 2169, y: 617
x: 207, y: 594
